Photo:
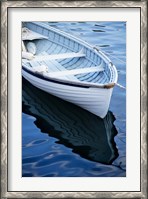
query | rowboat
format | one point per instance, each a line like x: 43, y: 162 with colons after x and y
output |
x: 86, y: 134
x: 67, y: 67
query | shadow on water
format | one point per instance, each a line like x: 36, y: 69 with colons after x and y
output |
x: 88, y: 135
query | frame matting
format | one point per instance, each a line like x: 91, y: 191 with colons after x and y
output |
x: 4, y: 98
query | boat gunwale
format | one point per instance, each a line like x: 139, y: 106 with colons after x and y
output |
x: 66, y: 81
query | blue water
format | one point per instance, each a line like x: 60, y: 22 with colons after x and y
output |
x: 63, y: 140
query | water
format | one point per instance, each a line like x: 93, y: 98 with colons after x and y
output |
x: 63, y: 140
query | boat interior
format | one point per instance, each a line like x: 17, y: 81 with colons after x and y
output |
x: 66, y: 59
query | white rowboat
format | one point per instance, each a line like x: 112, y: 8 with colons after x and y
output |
x: 67, y: 67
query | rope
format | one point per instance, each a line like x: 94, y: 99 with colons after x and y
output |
x: 120, y: 86
x: 25, y: 32
x: 115, y: 57
x: 96, y: 48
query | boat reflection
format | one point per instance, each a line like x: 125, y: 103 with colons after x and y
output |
x: 88, y: 135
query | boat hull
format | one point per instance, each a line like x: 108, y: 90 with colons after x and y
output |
x: 94, y: 100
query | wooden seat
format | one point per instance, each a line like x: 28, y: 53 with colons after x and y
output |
x: 58, y: 56
x: 53, y: 66
x: 55, y: 69
x: 76, y: 71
